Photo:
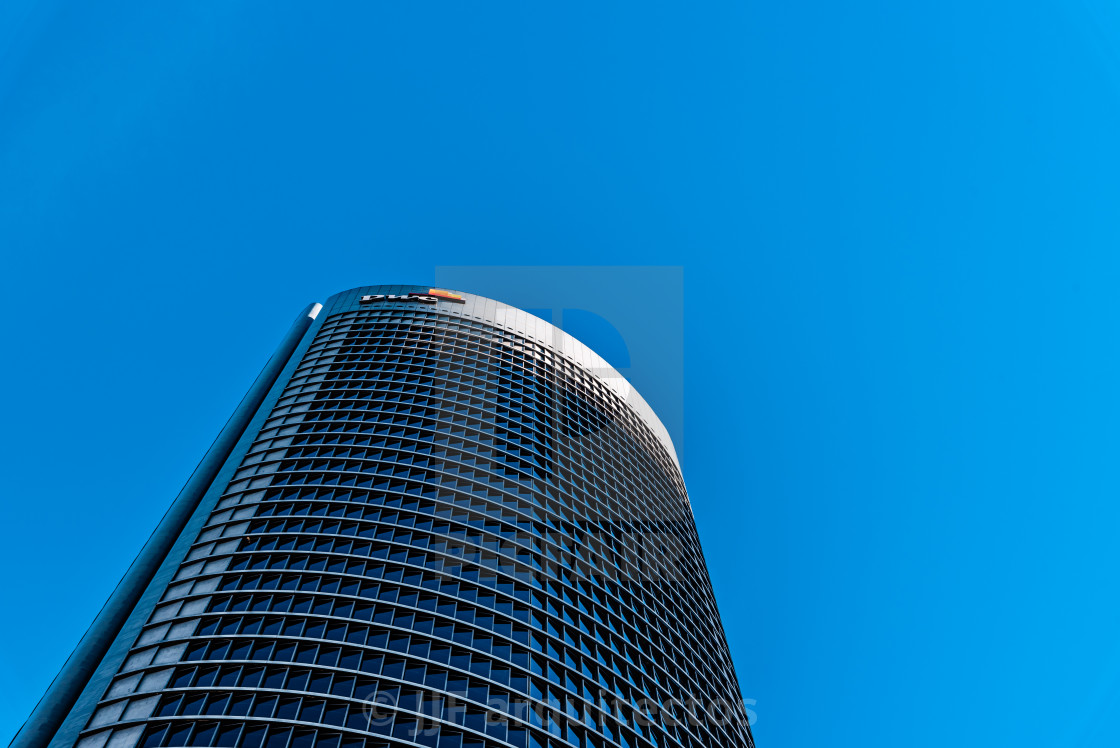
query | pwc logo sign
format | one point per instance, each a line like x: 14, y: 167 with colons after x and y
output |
x: 433, y: 295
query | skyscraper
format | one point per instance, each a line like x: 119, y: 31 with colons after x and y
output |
x: 434, y: 520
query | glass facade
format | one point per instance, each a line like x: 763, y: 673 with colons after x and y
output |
x: 449, y: 529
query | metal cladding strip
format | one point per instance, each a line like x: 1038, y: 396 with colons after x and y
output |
x: 57, y: 702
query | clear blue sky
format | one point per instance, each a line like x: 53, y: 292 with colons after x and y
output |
x: 898, y: 224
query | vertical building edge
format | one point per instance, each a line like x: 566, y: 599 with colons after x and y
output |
x: 65, y: 690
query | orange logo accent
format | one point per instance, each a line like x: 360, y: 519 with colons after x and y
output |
x: 444, y: 294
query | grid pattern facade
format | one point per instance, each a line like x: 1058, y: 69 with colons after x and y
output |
x: 444, y: 535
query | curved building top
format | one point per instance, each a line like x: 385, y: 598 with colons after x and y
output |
x: 512, y: 319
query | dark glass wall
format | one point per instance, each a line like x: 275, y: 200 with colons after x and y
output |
x: 446, y: 534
